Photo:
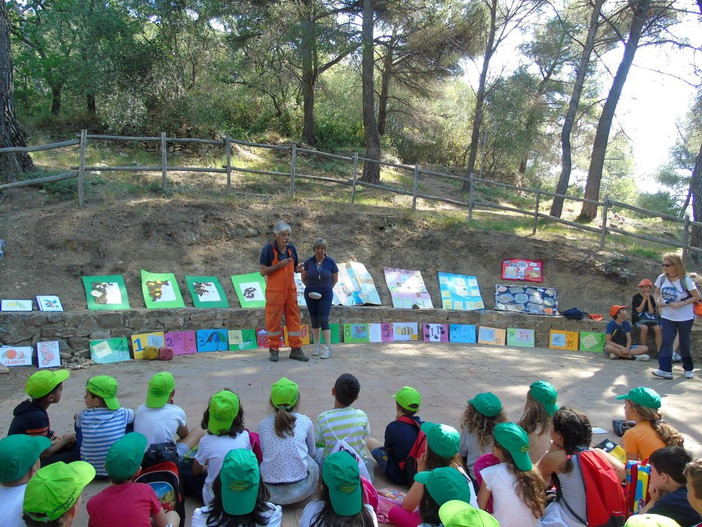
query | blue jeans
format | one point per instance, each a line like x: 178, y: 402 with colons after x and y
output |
x: 668, y: 329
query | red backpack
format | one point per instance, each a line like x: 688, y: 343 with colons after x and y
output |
x: 409, y: 465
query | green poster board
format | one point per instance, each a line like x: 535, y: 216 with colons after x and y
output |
x: 242, y: 339
x: 592, y: 341
x: 356, y: 333
x: 160, y: 290
x: 250, y: 290
x: 520, y: 337
x: 335, y: 334
x: 206, y: 291
x: 105, y: 351
x: 105, y: 293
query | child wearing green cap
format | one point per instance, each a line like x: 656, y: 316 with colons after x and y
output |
x: 641, y: 405
x: 341, y: 501
x: 102, y: 422
x: 536, y: 419
x: 224, y: 422
x: 482, y: 413
x: 441, y: 485
x: 287, y: 441
x: 456, y: 513
x: 31, y: 417
x: 517, y: 489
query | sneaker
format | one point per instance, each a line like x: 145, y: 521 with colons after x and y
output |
x: 297, y: 354
x: 676, y: 357
x: 613, y: 356
x: 642, y: 358
x: 274, y: 355
x: 663, y: 374
x: 327, y: 353
x: 316, y: 350
x: 688, y: 375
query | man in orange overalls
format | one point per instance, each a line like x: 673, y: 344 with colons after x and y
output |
x: 278, y: 265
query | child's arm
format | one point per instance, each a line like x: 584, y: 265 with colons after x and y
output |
x: 183, y: 431
x: 628, y: 340
x: 414, y: 495
x: 483, y: 496
x: 198, y: 469
x: 59, y: 443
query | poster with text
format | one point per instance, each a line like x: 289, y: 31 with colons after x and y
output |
x: 375, y: 332
x: 262, y: 338
x: 404, y: 331
x: 407, y: 289
x: 160, y: 290
x: 212, y: 340
x: 494, y: 336
x: 242, y: 339
x: 563, y: 340
x: 460, y: 292
x: 463, y: 333
x: 16, y: 355
x: 250, y: 290
x: 528, y: 299
x: 519, y: 337
x: 206, y: 291
x: 304, y: 335
x: 181, y: 342
x: 105, y: 292
x: 435, y: 332
x: 356, y: 333
x: 141, y: 340
x: 355, y: 286
x: 522, y: 269
x: 48, y: 354
x: 105, y: 351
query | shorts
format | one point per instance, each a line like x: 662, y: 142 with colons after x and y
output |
x: 381, y: 456
x: 648, y: 323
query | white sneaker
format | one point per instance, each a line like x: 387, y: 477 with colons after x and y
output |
x: 316, y: 350
x: 643, y: 357
x: 327, y: 353
x: 688, y: 375
x: 676, y: 357
x: 613, y: 356
x: 663, y: 374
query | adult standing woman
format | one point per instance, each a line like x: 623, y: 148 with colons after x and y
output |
x: 675, y: 294
x: 320, y: 275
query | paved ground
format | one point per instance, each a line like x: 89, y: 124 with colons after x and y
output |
x: 446, y: 375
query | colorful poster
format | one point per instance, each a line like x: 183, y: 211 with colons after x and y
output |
x: 387, y: 334
x: 262, y: 338
x: 206, y: 291
x: 16, y: 355
x: 563, y: 340
x: 521, y: 269
x: 242, y: 339
x: 463, y: 333
x: 48, y: 355
x: 104, y: 351
x: 16, y: 305
x: 356, y: 333
x: 519, y: 337
x: 304, y: 334
x: 460, y: 292
x: 335, y: 330
x: 141, y: 340
x: 212, y: 340
x: 529, y: 299
x: 435, y: 333
x: 494, y: 336
x: 407, y: 289
x: 592, y: 341
x: 160, y: 290
x: 250, y: 290
x: 404, y: 331
x: 375, y: 332
x: 105, y: 293
x: 355, y: 286
x: 181, y: 342
x: 49, y: 303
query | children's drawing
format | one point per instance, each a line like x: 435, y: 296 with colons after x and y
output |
x: 528, y: 299
x: 407, y: 289
x: 105, y: 292
x: 206, y: 291
x: 355, y: 286
x: 16, y: 305
x: 464, y: 333
x: 521, y: 269
x: 404, y: 331
x: 106, y: 351
x: 356, y: 333
x: 565, y: 340
x: 140, y: 341
x: 460, y: 292
x: 181, y: 342
x: 304, y: 334
x: 16, y: 355
x: 49, y: 303
x: 494, y: 336
x: 160, y: 290
x: 435, y: 332
x: 48, y: 354
x: 592, y: 341
x: 242, y: 339
x: 375, y: 333
x: 520, y: 337
x: 250, y: 290
x: 212, y: 340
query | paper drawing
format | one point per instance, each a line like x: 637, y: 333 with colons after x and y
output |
x: 206, y: 291
x: 250, y: 290
x: 460, y: 292
x: 16, y: 305
x: 528, y: 299
x: 355, y: 286
x: 48, y: 354
x: 464, y: 333
x: 435, y: 333
x: 160, y: 290
x: 407, y: 289
x: 105, y: 292
x: 16, y: 355
x: 49, y: 303
x: 106, y: 351
x: 181, y: 342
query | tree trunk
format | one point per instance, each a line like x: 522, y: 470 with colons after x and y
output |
x: 11, y: 134
x: 371, y: 171
x: 385, y: 87
x: 599, y: 147
x: 56, y: 100
x: 696, y: 191
x: 580, y: 75
x: 309, y: 79
x: 90, y: 103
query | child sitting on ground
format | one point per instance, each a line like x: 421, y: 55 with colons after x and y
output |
x: 456, y: 513
x: 618, y: 338
x: 644, y: 314
x: 667, y: 486
x: 441, y: 485
x: 536, y: 419
x: 124, y: 502
x: 693, y: 479
x: 103, y: 422
x: 400, y: 436
x: 483, y: 412
x: 642, y: 405
x: 45, y: 388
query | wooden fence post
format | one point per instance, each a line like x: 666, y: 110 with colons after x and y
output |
x: 605, y: 209
x: 228, y: 147
x: 686, y: 236
x: 536, y: 212
x: 292, y: 169
x: 355, y: 176
x: 470, y: 198
x: 164, y: 161
x: 414, y: 189
x: 81, y: 167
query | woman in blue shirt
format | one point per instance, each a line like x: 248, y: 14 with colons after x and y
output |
x: 319, y: 275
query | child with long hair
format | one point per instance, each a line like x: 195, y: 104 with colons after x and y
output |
x: 240, y: 496
x: 441, y: 485
x: 536, y: 418
x: 517, y: 488
x: 482, y: 413
x: 650, y: 433
x: 287, y: 441
x: 341, y: 503
x: 224, y: 421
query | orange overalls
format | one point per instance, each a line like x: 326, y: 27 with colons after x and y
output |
x: 281, y: 299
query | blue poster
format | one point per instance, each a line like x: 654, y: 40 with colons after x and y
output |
x: 464, y: 333
x: 460, y: 292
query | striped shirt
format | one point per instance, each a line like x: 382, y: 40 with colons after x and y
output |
x: 100, y: 429
x: 348, y: 424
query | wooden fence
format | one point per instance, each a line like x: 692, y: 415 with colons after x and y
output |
x: 471, y: 204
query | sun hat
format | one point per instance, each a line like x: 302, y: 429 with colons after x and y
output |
x: 445, y: 484
x: 646, y: 397
x: 515, y: 440
x: 106, y: 387
x: 18, y: 453
x: 442, y: 439
x: 615, y: 309
x: 161, y: 386
x: 457, y: 513
x: 408, y: 398
x: 644, y: 283
x: 546, y: 394
x: 240, y: 478
x: 342, y: 478
x: 125, y: 456
x: 284, y: 393
x: 650, y: 520
x: 488, y: 404
x: 55, y: 488
x: 42, y: 382
x: 224, y: 407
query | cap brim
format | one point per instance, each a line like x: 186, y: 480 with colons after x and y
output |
x: 625, y: 396
x: 348, y: 504
x: 85, y: 472
x: 551, y: 409
x: 523, y: 461
x: 156, y: 401
x: 239, y: 503
x: 422, y: 477
x: 112, y: 403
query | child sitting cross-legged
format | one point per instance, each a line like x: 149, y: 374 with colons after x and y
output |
x: 618, y: 338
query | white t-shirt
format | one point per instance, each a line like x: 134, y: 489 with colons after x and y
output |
x: 673, y: 292
x: 159, y: 425
x: 211, y: 452
x: 274, y: 515
x: 313, y: 508
x: 12, y: 499
x: 508, y: 508
x: 285, y: 459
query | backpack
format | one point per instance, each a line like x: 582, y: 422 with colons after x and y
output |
x: 341, y: 444
x: 605, y: 502
x: 409, y: 465
x: 574, y: 314
x: 164, y: 478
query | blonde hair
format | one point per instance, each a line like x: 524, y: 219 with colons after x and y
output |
x: 668, y: 434
x: 677, y: 262
x: 530, y: 487
x: 534, y: 417
x: 693, y: 473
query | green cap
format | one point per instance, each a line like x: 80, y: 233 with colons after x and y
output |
x: 224, y: 407
x: 55, y: 488
x: 106, y: 387
x: 18, y: 453
x: 42, y: 382
x: 284, y: 393
x: 487, y: 404
x: 342, y: 478
x: 240, y: 480
x: 125, y: 456
x: 408, y: 398
x: 445, y: 484
x: 456, y: 513
x: 513, y: 438
x: 442, y: 439
x: 650, y: 520
x: 646, y: 397
x: 161, y: 387
x: 546, y: 394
